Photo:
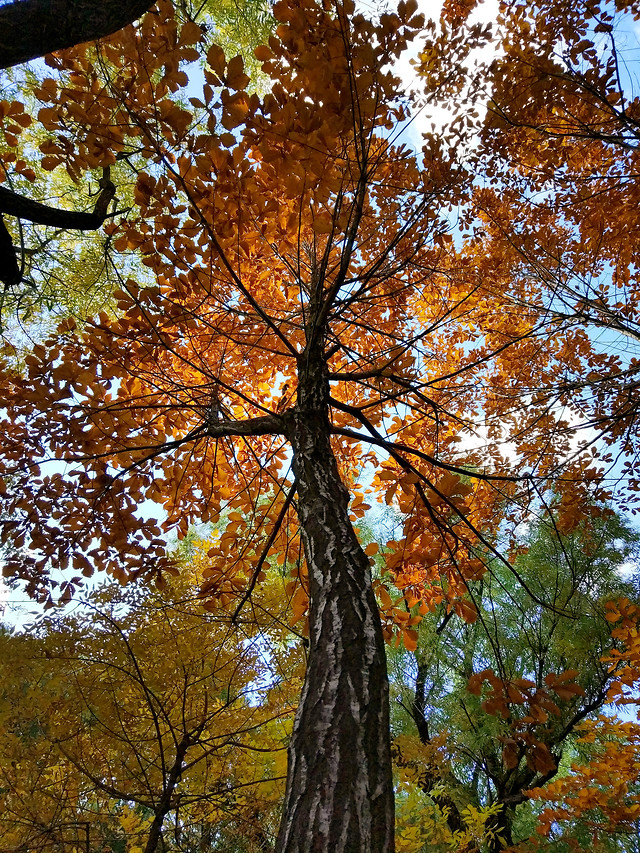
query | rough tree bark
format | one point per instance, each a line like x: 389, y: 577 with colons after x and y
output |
x: 339, y: 793
x: 31, y: 28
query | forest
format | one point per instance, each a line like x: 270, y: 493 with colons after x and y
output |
x: 319, y: 471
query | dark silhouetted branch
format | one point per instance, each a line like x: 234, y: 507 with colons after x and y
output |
x: 31, y: 28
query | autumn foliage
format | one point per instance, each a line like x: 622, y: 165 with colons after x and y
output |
x: 313, y: 314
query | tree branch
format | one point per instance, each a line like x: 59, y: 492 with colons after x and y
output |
x: 264, y: 554
x: 266, y: 425
x: 14, y: 204
x: 31, y: 28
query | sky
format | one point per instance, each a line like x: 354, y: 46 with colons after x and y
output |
x: 485, y: 12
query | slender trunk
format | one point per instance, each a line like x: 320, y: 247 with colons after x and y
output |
x: 165, y: 803
x: 205, y: 843
x: 432, y: 780
x: 339, y: 793
x: 155, y: 832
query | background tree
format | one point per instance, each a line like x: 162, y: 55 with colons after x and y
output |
x: 143, y: 719
x: 32, y: 29
x: 505, y: 704
x: 52, y: 261
x: 596, y: 805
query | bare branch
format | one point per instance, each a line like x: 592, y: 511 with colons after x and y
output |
x: 266, y: 425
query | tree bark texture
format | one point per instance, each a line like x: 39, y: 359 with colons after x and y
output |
x: 31, y: 28
x: 339, y: 796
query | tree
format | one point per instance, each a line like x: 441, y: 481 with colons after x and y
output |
x: 555, y: 208
x: 303, y: 300
x: 32, y: 29
x: 143, y: 718
x: 45, y: 27
x: 596, y: 804
x: 499, y: 704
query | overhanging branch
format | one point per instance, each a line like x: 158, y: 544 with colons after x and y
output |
x: 14, y: 204
x: 265, y: 425
x: 31, y: 28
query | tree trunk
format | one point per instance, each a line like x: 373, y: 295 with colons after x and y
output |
x: 165, y: 803
x: 205, y: 843
x: 31, y: 28
x: 155, y: 832
x: 501, y: 824
x: 339, y: 796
